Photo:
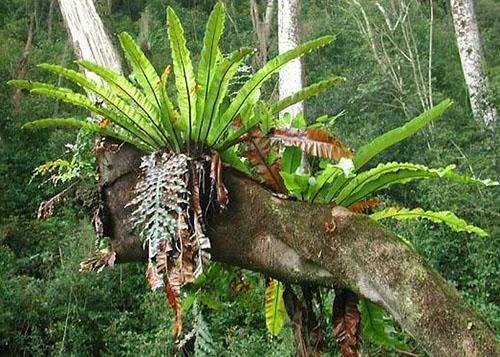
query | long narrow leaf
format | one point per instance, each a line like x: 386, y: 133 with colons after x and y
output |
x: 269, y: 172
x: 447, y: 217
x: 183, y: 71
x: 83, y: 101
x: 208, y: 60
x: 275, y: 307
x: 129, y: 92
x: 390, y: 173
x: 149, y: 80
x: 218, y: 89
x: 379, y: 144
x: 304, y: 94
x: 81, y: 124
x: 110, y: 98
x: 313, y: 141
x: 247, y: 92
x: 29, y: 85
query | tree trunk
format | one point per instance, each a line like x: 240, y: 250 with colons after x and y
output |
x: 472, y: 58
x: 291, y: 75
x: 87, y: 33
x: 49, y: 20
x: 144, y: 23
x: 290, y: 82
x: 23, y: 71
x: 263, y: 233
x: 262, y: 28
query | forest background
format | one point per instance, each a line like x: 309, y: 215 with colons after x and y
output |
x: 48, y: 307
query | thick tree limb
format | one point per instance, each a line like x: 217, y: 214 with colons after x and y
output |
x: 288, y: 240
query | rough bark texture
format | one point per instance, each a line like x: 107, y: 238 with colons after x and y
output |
x: 291, y: 76
x: 89, y: 38
x: 472, y: 58
x: 287, y: 240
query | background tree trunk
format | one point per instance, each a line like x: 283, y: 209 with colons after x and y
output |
x: 270, y: 235
x: 49, y: 20
x: 262, y: 28
x: 472, y: 58
x: 291, y: 80
x: 87, y: 33
x: 23, y: 70
x: 291, y: 75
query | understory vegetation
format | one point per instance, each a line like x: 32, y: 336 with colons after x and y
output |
x: 47, y: 306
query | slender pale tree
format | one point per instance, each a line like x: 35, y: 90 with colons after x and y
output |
x: 291, y: 75
x: 473, y: 64
x: 87, y: 33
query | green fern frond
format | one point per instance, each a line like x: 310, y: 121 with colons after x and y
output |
x: 184, y: 75
x: 446, y: 217
x: 208, y: 61
x: 375, y: 328
x: 130, y: 93
x: 387, y: 174
x: 82, y: 124
x: 379, y: 144
x: 116, y: 104
x: 248, y: 93
x: 204, y: 344
x: 304, y: 94
x: 274, y: 307
x: 218, y: 89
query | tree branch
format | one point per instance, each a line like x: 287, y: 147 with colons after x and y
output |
x: 287, y: 240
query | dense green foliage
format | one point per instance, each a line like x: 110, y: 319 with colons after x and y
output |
x: 47, y: 306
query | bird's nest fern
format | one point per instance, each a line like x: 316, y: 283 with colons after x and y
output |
x: 181, y: 171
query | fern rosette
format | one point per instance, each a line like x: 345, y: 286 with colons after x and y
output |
x: 185, y: 141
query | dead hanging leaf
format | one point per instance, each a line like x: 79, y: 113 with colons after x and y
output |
x: 101, y: 259
x: 216, y: 176
x: 257, y: 155
x: 185, y: 261
x: 154, y: 278
x: 172, y: 293
x: 161, y: 262
x: 294, y: 311
x: 46, y: 208
x: 364, y: 205
x: 346, y: 322
x: 313, y: 141
x: 104, y: 145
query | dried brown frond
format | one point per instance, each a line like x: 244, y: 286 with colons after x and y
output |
x: 313, y: 141
x: 364, y: 205
x: 172, y: 294
x: 346, y: 322
x: 101, y: 259
x: 216, y: 176
x: 259, y: 149
x: 46, y: 208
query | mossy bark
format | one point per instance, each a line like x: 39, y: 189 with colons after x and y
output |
x: 288, y: 240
